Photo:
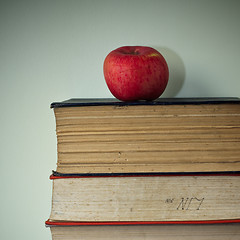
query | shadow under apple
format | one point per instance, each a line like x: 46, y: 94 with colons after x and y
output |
x: 177, y: 72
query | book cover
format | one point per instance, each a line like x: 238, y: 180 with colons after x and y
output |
x: 75, y: 102
x: 229, y: 231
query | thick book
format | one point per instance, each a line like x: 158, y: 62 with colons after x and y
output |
x: 145, y: 198
x: 165, y: 135
x: 148, y: 232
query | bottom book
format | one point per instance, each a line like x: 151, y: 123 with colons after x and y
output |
x: 229, y: 231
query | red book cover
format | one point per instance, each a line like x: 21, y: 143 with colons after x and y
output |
x: 63, y: 223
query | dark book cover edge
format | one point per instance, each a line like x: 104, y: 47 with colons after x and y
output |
x: 58, y: 175
x: 78, y: 102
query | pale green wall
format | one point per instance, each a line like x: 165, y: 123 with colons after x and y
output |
x: 54, y: 50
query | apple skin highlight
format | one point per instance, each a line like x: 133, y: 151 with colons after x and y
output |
x: 135, y: 73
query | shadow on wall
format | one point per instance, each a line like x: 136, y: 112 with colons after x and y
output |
x: 177, y: 72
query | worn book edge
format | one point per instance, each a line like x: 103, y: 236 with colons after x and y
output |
x: 80, y: 102
x: 50, y: 223
x: 58, y: 175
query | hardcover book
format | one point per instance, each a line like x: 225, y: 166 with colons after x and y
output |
x: 147, y: 198
x: 166, y: 135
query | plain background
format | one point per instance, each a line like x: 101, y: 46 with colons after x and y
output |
x: 54, y: 50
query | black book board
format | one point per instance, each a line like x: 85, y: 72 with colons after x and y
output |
x: 78, y: 102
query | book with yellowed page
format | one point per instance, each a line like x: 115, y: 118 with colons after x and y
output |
x: 165, y: 135
x: 146, y: 206
x: 147, y: 198
x: 166, y: 169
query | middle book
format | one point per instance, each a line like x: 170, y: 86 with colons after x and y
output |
x: 197, y: 197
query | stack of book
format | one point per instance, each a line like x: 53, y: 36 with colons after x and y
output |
x: 165, y: 169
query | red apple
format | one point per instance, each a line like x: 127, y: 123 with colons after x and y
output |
x: 136, y: 73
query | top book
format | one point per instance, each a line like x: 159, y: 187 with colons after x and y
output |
x: 165, y: 135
